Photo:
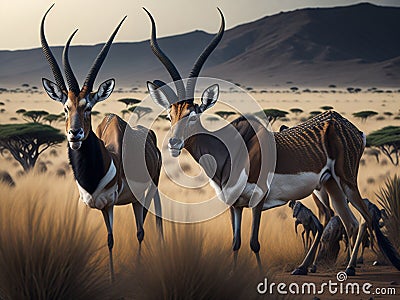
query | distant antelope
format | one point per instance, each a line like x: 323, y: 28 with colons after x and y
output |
x: 96, y: 159
x: 322, y: 152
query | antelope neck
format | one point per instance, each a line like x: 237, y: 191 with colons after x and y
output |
x: 202, y: 144
x: 90, y: 162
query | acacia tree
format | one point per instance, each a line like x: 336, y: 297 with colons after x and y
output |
x: 51, y: 118
x: 35, y: 115
x: 27, y: 141
x: 129, y: 101
x: 364, y: 115
x: 20, y: 111
x: 314, y: 113
x: 124, y: 112
x: 225, y: 114
x: 296, y: 111
x: 387, y: 140
x: 272, y: 114
x: 140, y: 111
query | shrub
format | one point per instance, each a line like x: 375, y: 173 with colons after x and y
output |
x: 389, y: 198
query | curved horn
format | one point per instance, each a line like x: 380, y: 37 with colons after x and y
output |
x: 176, y: 77
x: 94, y: 70
x: 71, y: 80
x: 50, y: 57
x: 194, y: 73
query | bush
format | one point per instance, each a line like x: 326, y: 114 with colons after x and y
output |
x: 389, y: 199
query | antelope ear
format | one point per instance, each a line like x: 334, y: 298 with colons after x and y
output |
x: 104, y: 91
x: 54, y: 91
x: 158, y: 95
x: 209, y: 97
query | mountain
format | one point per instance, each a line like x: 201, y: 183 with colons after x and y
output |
x: 356, y: 45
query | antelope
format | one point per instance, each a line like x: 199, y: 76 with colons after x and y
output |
x: 334, y: 232
x: 321, y: 154
x: 96, y: 158
x: 305, y: 216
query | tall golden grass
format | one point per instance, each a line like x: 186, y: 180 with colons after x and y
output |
x: 48, y: 246
x: 53, y: 247
x: 389, y: 199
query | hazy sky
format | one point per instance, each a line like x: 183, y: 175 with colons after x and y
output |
x: 96, y: 19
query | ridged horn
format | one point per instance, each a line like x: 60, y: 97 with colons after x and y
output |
x: 69, y: 74
x: 173, y: 72
x: 94, y: 70
x: 50, y: 57
x: 194, y: 73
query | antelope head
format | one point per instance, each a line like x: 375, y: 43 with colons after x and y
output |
x: 183, y: 112
x: 77, y: 102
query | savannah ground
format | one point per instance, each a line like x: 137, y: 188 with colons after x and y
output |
x: 196, y: 257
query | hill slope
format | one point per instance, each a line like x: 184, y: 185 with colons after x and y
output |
x: 353, y: 45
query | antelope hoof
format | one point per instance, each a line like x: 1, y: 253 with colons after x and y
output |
x: 255, y: 246
x: 300, y: 271
x: 350, y: 271
x: 313, y: 269
x: 140, y: 236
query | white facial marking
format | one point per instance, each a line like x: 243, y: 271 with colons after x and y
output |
x: 68, y: 103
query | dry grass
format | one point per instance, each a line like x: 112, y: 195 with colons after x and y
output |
x: 53, y: 247
x: 187, y: 266
x: 48, y: 247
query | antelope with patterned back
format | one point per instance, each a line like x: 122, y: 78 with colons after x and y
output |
x: 96, y: 159
x: 321, y: 155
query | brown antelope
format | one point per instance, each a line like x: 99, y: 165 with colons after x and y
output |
x: 322, y: 152
x: 96, y: 159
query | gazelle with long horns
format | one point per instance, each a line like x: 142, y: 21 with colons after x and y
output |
x: 324, y: 152
x: 96, y: 159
